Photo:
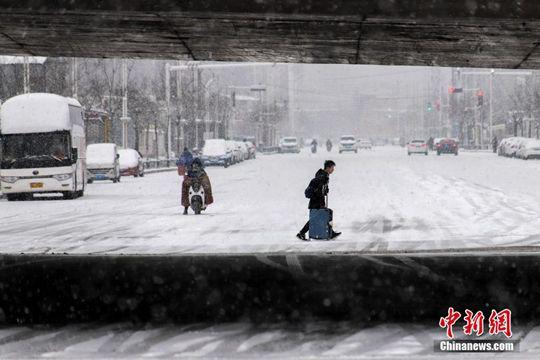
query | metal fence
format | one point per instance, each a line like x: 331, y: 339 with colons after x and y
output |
x: 159, y: 163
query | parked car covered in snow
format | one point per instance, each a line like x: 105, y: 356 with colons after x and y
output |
x: 236, y: 151
x: 131, y: 163
x: 241, y: 149
x: 417, y: 147
x: 102, y: 162
x: 529, y: 149
x: 252, y: 149
x: 514, y: 145
x: 502, y: 147
x: 216, y: 152
x: 245, y: 150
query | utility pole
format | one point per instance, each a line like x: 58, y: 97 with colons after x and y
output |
x: 180, y: 125
x: 292, y: 97
x: 491, y: 74
x: 207, y: 119
x: 26, y: 75
x: 74, y: 76
x: 124, y: 119
x: 440, y: 104
x: 167, y: 108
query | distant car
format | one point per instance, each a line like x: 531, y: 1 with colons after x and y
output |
x: 245, y: 150
x: 529, y: 149
x: 289, y: 145
x: 348, y: 143
x: 417, y: 147
x: 131, y: 163
x: 511, y: 146
x: 435, y: 142
x: 242, y: 150
x: 252, y: 149
x: 216, y: 152
x: 447, y: 146
x: 501, y: 148
x: 237, y: 155
x: 364, y: 144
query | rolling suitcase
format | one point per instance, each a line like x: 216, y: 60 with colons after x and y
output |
x: 320, y: 223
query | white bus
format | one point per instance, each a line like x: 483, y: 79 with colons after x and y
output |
x: 43, y: 146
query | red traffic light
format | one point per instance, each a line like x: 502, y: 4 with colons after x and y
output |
x: 453, y: 90
x: 480, y: 93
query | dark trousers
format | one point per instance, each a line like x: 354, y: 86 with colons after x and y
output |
x: 305, y: 229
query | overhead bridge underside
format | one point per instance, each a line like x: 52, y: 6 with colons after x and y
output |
x: 493, y: 33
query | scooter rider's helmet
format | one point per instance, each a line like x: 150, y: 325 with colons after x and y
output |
x: 197, y: 165
x: 197, y: 162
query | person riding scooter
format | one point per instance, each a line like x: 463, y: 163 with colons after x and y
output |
x: 196, y: 174
x: 314, y: 146
x: 329, y: 145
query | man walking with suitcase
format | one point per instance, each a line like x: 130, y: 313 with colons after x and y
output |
x: 317, y: 192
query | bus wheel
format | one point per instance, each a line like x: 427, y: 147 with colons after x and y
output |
x: 14, y: 197
x: 70, y: 195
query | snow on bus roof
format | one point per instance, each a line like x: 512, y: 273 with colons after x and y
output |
x: 34, y: 113
x: 13, y: 60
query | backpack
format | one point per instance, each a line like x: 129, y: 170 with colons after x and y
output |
x: 309, y: 192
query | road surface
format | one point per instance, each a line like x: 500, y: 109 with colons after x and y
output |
x: 383, y: 201
x: 325, y: 340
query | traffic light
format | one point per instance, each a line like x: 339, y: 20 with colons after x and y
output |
x: 429, y: 106
x: 233, y: 95
x: 438, y: 104
x: 480, y: 97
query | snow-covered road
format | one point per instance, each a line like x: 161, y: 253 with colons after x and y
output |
x: 383, y: 200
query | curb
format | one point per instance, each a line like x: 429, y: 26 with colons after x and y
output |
x: 155, y: 171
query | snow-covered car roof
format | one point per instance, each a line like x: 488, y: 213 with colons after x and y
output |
x: 530, y: 143
x: 100, y: 153
x: 213, y: 147
x: 128, y: 158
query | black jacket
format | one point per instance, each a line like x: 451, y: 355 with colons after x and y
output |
x: 319, y: 184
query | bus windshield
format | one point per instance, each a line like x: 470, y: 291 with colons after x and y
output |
x: 35, y: 150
